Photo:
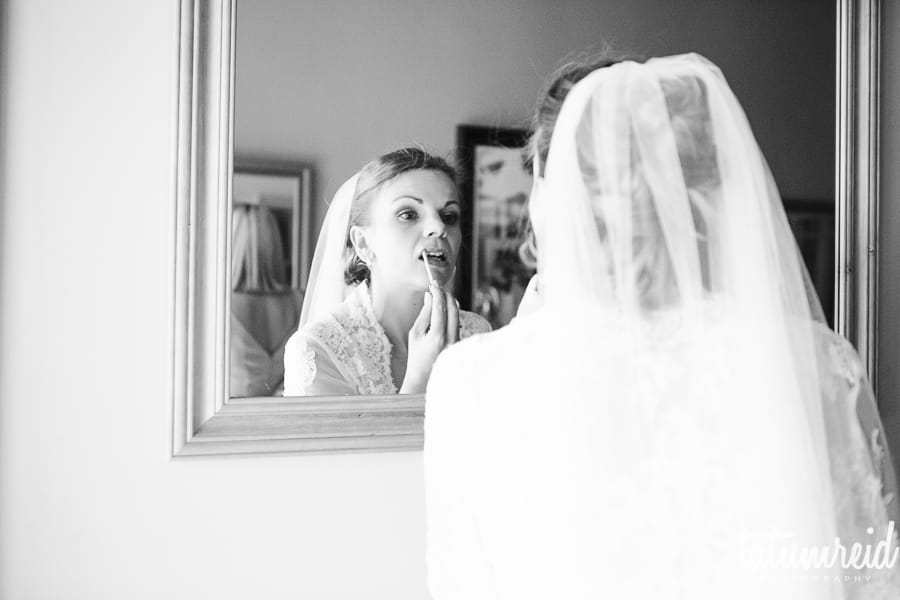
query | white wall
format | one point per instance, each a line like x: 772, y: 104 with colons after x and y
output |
x: 889, y: 238
x: 91, y: 505
x: 337, y: 87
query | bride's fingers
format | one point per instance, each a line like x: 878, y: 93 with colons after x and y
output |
x: 438, y: 314
x: 420, y: 326
x: 452, y: 319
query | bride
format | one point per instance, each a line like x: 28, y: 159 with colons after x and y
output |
x: 378, y: 309
x: 673, y: 419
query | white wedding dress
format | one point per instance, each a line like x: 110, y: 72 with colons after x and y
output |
x: 673, y: 419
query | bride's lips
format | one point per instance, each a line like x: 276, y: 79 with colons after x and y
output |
x: 436, y: 257
x: 439, y: 267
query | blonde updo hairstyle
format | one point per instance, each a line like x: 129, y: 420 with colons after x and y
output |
x: 690, y: 120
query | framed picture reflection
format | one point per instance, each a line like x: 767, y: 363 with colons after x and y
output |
x: 495, y: 189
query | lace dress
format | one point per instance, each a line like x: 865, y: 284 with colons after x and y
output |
x: 348, y: 352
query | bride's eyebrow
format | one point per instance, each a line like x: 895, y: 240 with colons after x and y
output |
x: 407, y: 197
x: 419, y: 200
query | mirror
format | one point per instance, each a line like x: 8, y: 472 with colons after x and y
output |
x: 326, y: 88
x: 336, y: 86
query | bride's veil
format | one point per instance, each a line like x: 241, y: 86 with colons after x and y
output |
x: 661, y: 232
x: 326, y: 287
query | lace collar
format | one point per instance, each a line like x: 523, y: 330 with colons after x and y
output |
x: 360, y: 345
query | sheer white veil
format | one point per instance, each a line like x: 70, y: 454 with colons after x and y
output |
x: 660, y: 233
x: 326, y: 287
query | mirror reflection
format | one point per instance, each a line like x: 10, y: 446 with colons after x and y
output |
x: 323, y: 93
x: 379, y: 306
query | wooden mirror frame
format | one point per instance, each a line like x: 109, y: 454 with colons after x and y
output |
x: 206, y: 421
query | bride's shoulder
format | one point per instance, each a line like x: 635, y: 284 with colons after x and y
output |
x: 465, y: 370
x: 352, y: 314
x: 474, y: 349
x: 838, y: 354
x: 835, y: 356
x: 472, y: 324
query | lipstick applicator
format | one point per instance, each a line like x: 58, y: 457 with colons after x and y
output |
x: 431, y: 279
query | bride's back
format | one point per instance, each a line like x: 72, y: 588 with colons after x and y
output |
x: 623, y: 471
x: 676, y: 399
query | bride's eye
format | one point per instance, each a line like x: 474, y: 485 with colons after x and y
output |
x: 407, y: 215
x: 450, y: 218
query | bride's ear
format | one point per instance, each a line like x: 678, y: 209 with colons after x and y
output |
x: 360, y: 243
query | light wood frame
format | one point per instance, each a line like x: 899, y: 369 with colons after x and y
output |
x: 206, y: 421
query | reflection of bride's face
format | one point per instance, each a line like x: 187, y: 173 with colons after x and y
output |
x: 417, y: 210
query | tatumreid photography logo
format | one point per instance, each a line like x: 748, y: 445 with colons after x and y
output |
x: 775, y: 550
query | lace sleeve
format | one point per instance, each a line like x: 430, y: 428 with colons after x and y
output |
x: 310, y: 370
x: 455, y: 557
x: 472, y: 324
x: 876, y: 443
x: 866, y: 429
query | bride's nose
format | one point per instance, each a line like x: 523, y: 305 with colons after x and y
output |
x: 435, y: 227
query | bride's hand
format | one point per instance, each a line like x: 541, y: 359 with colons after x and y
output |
x: 436, y: 327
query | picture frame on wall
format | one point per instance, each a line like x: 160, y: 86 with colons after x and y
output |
x: 495, y: 188
x: 285, y: 190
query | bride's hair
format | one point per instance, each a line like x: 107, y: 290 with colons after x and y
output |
x: 692, y: 128
x: 552, y: 97
x: 546, y: 112
x: 372, y: 176
x: 688, y: 109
